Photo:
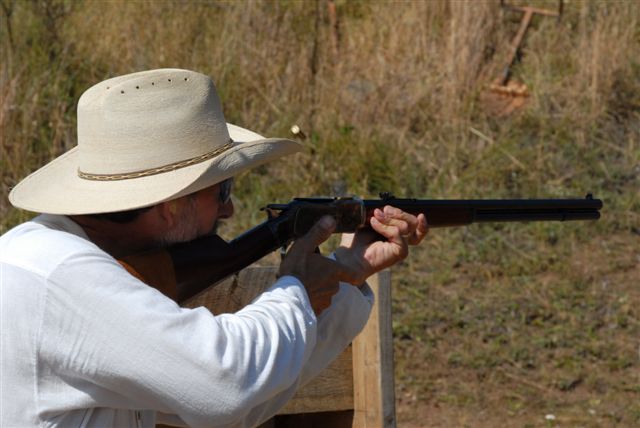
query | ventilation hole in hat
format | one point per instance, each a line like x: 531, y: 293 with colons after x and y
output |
x: 137, y: 87
x: 169, y: 80
x: 122, y: 92
x: 186, y: 78
x: 153, y: 83
x: 108, y: 87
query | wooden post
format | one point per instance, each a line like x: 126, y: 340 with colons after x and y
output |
x: 373, y: 382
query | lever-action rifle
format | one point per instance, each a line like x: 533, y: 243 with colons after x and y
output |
x: 184, y: 270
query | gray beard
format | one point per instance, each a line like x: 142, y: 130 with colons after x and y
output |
x: 186, y: 228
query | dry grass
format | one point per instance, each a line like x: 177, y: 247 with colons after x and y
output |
x: 495, y: 325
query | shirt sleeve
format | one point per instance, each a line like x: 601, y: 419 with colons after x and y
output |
x: 118, y: 343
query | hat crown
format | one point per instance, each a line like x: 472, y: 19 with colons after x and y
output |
x: 148, y: 120
x: 145, y: 138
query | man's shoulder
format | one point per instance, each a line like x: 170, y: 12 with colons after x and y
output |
x: 43, y: 243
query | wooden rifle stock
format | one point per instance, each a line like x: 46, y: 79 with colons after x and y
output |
x: 184, y: 270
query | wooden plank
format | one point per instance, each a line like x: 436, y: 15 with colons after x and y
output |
x: 331, y: 390
x: 235, y: 292
x: 373, y: 382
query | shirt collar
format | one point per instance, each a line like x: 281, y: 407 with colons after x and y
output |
x: 61, y: 222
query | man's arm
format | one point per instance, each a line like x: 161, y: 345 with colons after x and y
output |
x: 140, y: 350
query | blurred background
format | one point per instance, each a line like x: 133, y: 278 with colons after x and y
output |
x: 495, y: 325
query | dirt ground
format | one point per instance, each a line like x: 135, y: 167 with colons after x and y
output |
x: 598, y: 387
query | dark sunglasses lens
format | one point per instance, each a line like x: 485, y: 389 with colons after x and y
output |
x: 225, y: 190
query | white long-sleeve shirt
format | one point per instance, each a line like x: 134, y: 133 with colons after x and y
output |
x: 85, y: 344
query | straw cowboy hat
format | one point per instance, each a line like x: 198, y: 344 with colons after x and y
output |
x: 144, y: 138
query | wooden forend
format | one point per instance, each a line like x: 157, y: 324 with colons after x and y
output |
x: 357, y: 389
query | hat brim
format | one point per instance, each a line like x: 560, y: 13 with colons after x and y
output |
x: 56, y: 188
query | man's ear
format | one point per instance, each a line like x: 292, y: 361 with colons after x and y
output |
x: 167, y: 213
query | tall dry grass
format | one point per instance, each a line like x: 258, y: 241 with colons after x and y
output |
x: 391, y: 97
x: 407, y: 75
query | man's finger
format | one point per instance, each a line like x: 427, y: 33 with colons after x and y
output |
x: 405, y: 222
x: 397, y: 213
x: 421, y: 231
x: 320, y: 232
x: 391, y: 232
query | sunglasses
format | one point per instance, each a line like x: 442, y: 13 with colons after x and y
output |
x: 225, y: 190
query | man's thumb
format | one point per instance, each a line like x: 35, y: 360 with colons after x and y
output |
x: 320, y: 232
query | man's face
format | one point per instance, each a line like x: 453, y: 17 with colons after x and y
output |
x: 198, y: 214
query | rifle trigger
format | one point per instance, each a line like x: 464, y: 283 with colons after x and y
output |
x: 283, y: 252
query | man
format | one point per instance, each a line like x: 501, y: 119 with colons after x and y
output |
x: 84, y: 343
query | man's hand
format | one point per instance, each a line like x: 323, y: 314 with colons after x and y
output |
x: 365, y: 254
x: 319, y: 275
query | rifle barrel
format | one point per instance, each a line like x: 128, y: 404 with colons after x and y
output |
x: 443, y: 213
